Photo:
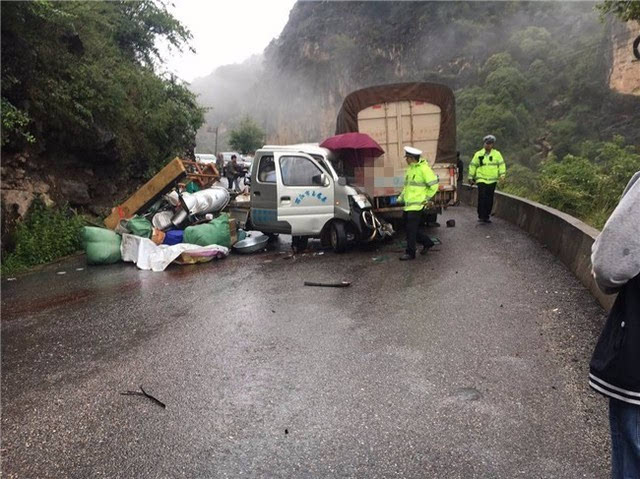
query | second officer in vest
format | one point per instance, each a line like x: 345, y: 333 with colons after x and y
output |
x: 420, y: 185
x: 486, y: 168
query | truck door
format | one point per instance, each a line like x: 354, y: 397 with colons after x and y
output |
x: 305, y: 193
x: 264, y: 200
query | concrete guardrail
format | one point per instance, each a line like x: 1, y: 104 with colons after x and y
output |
x: 568, y: 238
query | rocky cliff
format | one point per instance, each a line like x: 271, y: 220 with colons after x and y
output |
x: 624, y: 76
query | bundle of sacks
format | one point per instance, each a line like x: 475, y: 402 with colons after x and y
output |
x: 154, y: 245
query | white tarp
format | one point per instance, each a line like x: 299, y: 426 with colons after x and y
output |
x: 210, y: 200
x: 149, y: 256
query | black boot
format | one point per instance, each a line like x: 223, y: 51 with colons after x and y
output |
x: 407, y: 256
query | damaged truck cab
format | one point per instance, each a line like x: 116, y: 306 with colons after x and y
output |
x: 295, y: 190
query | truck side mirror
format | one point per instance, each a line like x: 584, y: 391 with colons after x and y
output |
x: 320, y: 179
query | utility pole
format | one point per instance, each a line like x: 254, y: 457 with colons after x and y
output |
x: 216, y: 152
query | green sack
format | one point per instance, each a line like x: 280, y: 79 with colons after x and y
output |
x: 101, y: 245
x: 192, y: 187
x: 140, y: 226
x: 214, y: 232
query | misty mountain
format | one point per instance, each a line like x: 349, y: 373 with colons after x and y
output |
x: 558, y: 56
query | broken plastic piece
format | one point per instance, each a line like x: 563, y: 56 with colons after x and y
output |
x: 341, y: 284
x: 145, y: 394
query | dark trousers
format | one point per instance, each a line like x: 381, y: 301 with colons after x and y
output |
x: 413, y: 219
x: 485, y: 199
x: 625, y: 442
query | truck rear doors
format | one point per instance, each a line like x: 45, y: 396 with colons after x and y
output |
x: 395, y: 125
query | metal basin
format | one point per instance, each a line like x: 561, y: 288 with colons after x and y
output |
x: 251, y: 244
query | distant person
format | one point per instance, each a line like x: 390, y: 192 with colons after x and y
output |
x: 420, y: 185
x: 220, y: 164
x: 460, y: 166
x: 486, y: 168
x: 615, y: 366
x: 233, y: 171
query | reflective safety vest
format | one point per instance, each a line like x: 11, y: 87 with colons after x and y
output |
x: 420, y: 185
x: 487, y: 167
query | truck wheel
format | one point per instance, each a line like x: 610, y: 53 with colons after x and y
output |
x: 299, y: 243
x: 338, y: 237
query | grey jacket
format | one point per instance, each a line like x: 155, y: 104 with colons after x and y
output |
x: 615, y: 254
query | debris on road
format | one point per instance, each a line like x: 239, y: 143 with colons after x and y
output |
x: 451, y: 223
x: 142, y: 392
x: 177, y: 216
x: 252, y: 244
x: 341, y: 284
x: 467, y: 394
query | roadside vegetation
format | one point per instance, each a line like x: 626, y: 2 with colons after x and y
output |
x: 83, y: 83
x: 46, y: 234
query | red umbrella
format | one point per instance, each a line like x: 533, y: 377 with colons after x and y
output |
x: 360, y: 142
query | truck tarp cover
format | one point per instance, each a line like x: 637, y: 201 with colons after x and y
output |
x: 433, y: 93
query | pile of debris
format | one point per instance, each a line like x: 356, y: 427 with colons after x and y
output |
x: 177, y: 216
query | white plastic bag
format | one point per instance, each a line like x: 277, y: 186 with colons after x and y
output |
x: 149, y: 256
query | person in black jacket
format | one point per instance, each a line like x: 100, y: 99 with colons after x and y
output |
x: 615, y: 366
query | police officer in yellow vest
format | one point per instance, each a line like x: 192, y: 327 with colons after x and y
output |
x: 420, y: 185
x: 486, y: 168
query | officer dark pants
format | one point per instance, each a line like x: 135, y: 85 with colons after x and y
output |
x: 485, y: 200
x: 413, y: 219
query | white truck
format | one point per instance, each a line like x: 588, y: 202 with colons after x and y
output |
x: 421, y: 115
x: 295, y: 190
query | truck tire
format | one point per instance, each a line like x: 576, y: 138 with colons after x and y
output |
x: 338, y: 237
x: 299, y: 243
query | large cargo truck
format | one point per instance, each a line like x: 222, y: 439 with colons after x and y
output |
x: 421, y: 115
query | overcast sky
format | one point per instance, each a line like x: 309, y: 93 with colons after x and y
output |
x: 224, y: 32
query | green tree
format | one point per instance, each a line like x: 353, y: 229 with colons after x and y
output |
x: 507, y: 83
x: 531, y: 43
x: 625, y: 10
x: 80, y: 76
x: 496, y: 61
x: 247, y: 137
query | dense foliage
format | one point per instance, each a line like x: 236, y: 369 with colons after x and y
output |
x: 47, y: 233
x: 81, y: 77
x: 625, y: 10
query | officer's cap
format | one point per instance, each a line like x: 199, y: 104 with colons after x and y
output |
x: 409, y: 150
x: 489, y: 139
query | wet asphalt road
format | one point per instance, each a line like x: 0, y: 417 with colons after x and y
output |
x: 469, y: 362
